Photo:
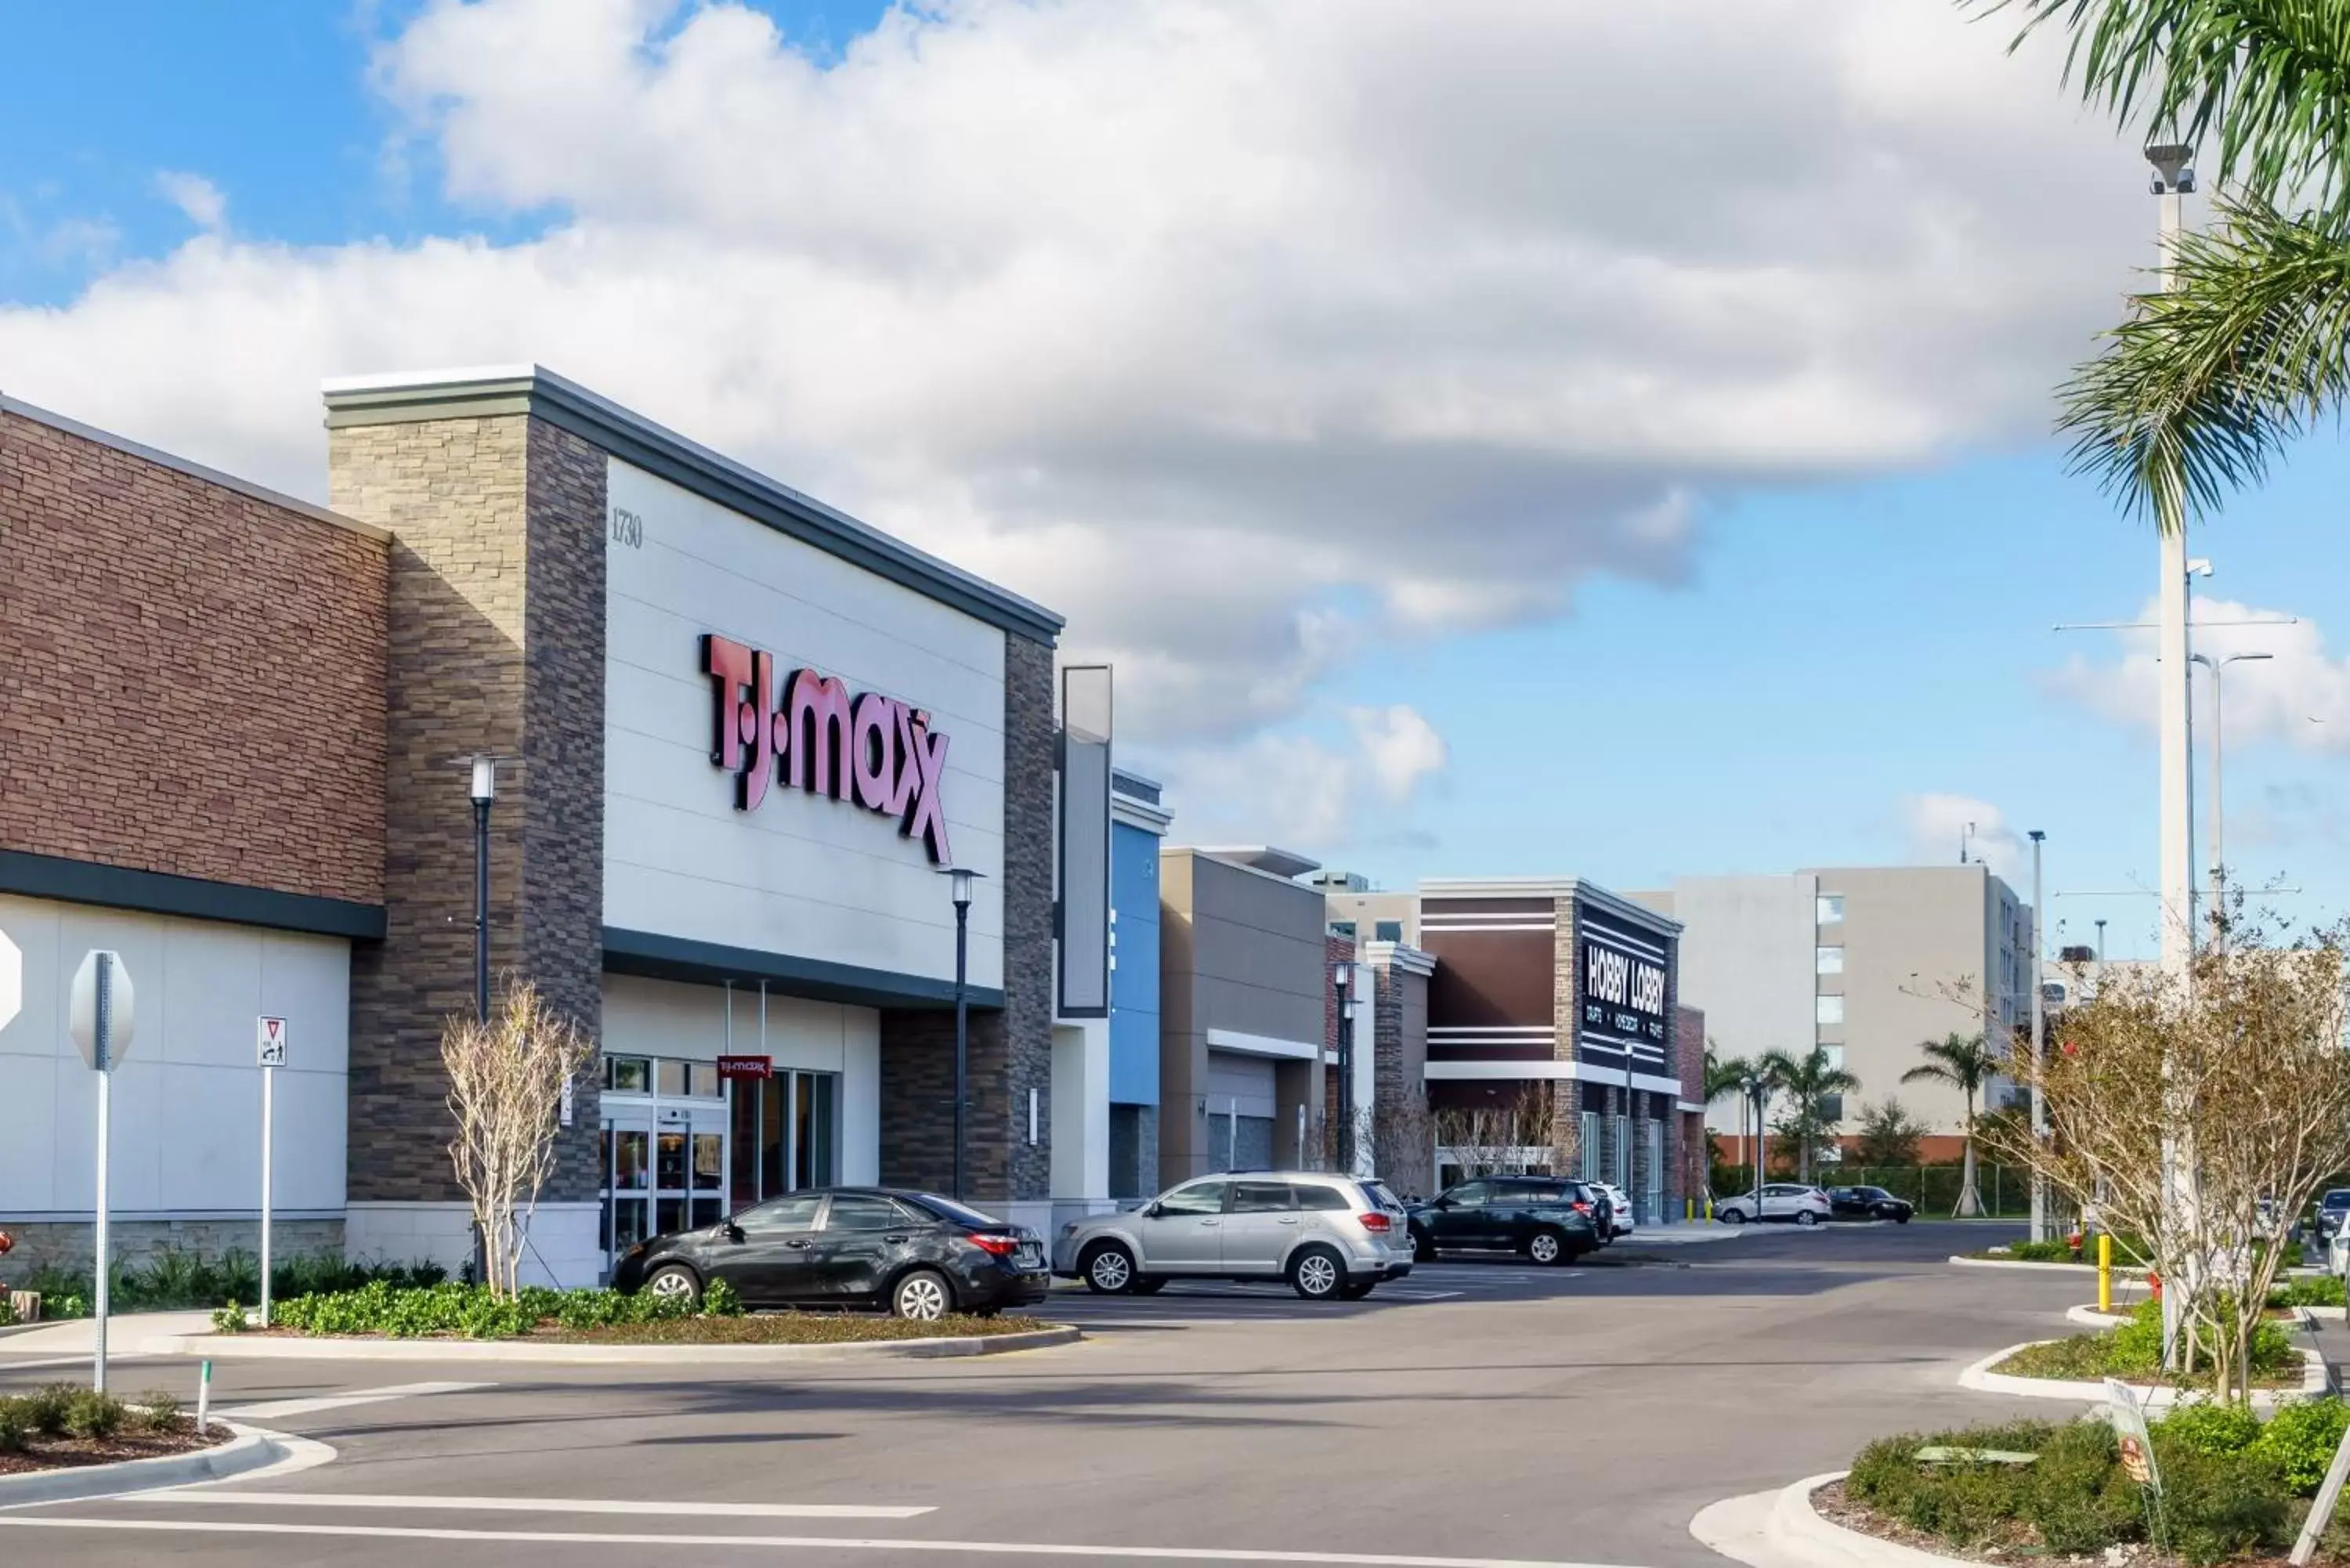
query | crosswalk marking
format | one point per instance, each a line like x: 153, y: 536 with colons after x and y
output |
x: 813, y: 1542
x: 275, y: 1409
x: 423, y: 1503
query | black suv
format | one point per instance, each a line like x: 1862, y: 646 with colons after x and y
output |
x: 1547, y: 1218
x: 1869, y: 1203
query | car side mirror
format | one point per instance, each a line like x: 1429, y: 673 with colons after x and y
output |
x: 1443, y: 1203
x: 1152, y: 1211
x: 734, y: 1232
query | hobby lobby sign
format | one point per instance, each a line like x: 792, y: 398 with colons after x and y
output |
x: 806, y: 731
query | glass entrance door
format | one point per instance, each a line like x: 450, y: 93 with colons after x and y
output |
x: 786, y: 1134
x: 664, y: 1149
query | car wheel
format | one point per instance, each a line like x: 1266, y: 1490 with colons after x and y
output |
x: 1109, y: 1269
x: 1149, y: 1285
x: 1730, y: 1216
x: 674, y: 1283
x: 1423, y: 1248
x: 1546, y: 1248
x: 1317, y: 1274
x: 923, y: 1296
x: 1902, y: 1217
x: 1805, y: 1217
x: 1356, y: 1292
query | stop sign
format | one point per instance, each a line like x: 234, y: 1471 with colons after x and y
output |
x: 12, y: 980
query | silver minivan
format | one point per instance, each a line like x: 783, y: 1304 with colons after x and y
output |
x: 1333, y: 1238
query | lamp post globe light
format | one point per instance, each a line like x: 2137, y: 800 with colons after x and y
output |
x: 484, y: 791
x: 961, y: 880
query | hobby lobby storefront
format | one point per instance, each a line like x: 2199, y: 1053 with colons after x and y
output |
x: 739, y: 736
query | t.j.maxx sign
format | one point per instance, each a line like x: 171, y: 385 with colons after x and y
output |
x: 808, y: 734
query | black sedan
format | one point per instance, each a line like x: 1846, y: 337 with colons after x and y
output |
x: 1869, y: 1203
x: 1548, y: 1219
x: 917, y: 1254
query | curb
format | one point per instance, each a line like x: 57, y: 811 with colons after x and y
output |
x: 1984, y: 1380
x: 2041, y: 1268
x: 1782, y: 1529
x: 234, y: 1346
x: 253, y: 1448
x: 2329, y: 1314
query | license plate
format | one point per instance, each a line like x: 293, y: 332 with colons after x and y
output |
x: 1029, y: 1256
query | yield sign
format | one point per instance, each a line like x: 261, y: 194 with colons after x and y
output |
x: 12, y: 980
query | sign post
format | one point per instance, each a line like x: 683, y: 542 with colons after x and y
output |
x: 98, y: 1016
x: 269, y: 1052
x: 12, y: 980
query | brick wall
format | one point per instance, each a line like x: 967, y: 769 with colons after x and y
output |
x: 495, y: 645
x: 1009, y: 1051
x: 195, y: 675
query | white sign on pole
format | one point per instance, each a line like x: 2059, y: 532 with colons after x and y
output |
x: 12, y: 980
x: 83, y: 1010
x: 269, y: 1053
x: 269, y: 1041
x: 98, y: 1014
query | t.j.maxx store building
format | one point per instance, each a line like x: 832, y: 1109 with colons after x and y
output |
x: 739, y: 737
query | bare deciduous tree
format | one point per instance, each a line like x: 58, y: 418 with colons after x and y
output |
x: 2199, y: 1116
x: 506, y: 1081
x: 1498, y: 1138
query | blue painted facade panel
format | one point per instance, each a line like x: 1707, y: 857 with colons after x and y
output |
x: 1134, y: 983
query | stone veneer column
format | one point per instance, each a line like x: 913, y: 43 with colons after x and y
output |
x: 1567, y: 1023
x: 497, y: 644
x: 1011, y: 1049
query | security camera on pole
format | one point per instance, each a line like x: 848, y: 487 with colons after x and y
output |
x: 98, y: 1016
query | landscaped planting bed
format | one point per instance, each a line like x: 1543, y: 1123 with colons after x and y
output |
x: 2234, y: 1487
x: 593, y: 1317
x: 62, y: 1427
x: 2133, y: 1352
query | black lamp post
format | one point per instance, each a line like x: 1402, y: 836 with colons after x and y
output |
x: 961, y: 879
x: 1342, y: 976
x: 1758, y: 1091
x: 485, y: 789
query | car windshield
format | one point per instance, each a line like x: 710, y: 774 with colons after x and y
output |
x: 2338, y: 1199
x: 959, y: 1213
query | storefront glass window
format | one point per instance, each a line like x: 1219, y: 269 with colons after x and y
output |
x: 625, y: 1158
x: 701, y: 1080
x: 627, y: 1074
x: 816, y: 1110
x: 671, y: 1077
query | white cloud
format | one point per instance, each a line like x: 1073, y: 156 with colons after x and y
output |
x: 199, y: 198
x: 1307, y: 793
x: 1939, y: 825
x: 2299, y: 695
x: 1241, y: 333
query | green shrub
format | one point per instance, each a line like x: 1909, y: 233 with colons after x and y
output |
x: 2300, y: 1438
x: 15, y: 1425
x: 2076, y: 1496
x: 2217, y: 1506
x: 2210, y: 1428
x: 157, y: 1410
x: 7, y: 1309
x: 90, y: 1414
x: 230, y: 1319
x: 722, y: 1300
x: 45, y: 1407
x: 2309, y: 1291
x: 2133, y: 1351
x: 2041, y: 1252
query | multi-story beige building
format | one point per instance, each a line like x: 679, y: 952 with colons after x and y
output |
x: 1868, y: 962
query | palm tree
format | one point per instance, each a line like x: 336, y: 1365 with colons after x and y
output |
x: 1810, y: 1082
x: 1728, y: 1075
x: 2208, y: 380
x: 1962, y: 1062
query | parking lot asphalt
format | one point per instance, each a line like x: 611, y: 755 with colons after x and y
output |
x: 1483, y: 1411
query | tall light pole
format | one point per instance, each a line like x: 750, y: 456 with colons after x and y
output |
x: 484, y: 790
x: 2039, y: 1051
x: 2218, y: 754
x: 1342, y: 978
x: 961, y: 879
x: 2173, y: 180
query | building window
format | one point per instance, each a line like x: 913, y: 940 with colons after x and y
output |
x: 1831, y: 960
x: 1343, y: 929
x: 1831, y: 1009
x: 1834, y: 1057
x: 1388, y: 931
x: 1830, y: 908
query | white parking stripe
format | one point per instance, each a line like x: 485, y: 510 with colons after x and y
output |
x: 424, y: 1503
x: 274, y: 1408
x: 815, y: 1542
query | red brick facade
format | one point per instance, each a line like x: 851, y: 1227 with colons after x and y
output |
x: 195, y: 681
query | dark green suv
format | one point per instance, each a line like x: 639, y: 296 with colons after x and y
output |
x: 1548, y: 1219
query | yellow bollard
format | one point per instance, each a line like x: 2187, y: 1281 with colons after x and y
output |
x: 2105, y: 1272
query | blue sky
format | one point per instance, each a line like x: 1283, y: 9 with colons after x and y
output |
x: 1820, y: 651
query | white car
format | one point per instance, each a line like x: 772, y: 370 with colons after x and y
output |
x: 1619, y: 1210
x: 1785, y: 1201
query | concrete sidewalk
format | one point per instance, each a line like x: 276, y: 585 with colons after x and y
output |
x: 1683, y: 1233
x: 127, y: 1334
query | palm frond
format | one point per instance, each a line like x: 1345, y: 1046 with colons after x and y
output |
x: 2272, y: 77
x: 2208, y: 380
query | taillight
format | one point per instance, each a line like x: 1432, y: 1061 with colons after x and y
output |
x: 1376, y: 1221
x: 1580, y: 1208
x: 996, y: 1242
